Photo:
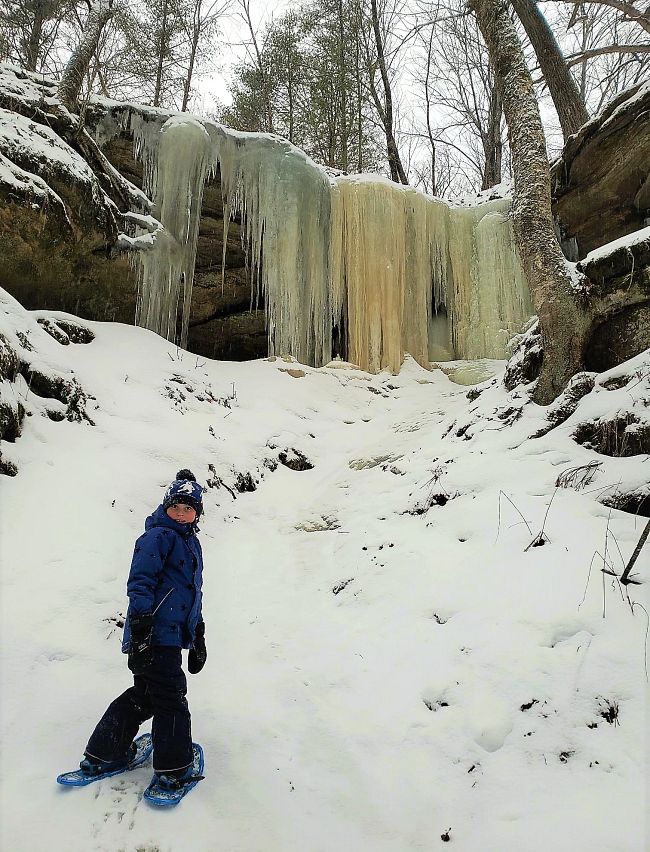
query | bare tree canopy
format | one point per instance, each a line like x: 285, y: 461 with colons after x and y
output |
x: 404, y: 88
x: 629, y: 11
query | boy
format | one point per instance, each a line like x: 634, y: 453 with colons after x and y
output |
x: 164, y: 616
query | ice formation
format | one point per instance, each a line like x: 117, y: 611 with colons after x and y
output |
x: 390, y: 268
x: 285, y: 205
x: 175, y: 180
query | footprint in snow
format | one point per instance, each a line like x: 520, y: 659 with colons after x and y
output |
x: 488, y: 719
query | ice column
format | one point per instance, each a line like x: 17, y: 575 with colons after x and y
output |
x: 176, y: 160
x: 388, y: 266
x: 488, y: 296
x: 285, y: 204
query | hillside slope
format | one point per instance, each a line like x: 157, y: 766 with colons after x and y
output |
x: 390, y: 662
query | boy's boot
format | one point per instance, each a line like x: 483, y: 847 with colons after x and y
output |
x: 93, y: 766
x: 175, y: 779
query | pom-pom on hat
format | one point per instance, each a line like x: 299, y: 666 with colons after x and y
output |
x: 184, y: 489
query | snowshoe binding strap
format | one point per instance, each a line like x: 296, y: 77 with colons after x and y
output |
x: 170, y: 782
x: 91, y: 767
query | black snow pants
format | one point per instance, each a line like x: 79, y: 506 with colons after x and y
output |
x: 159, y: 691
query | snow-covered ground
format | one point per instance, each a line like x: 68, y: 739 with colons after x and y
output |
x: 391, y: 666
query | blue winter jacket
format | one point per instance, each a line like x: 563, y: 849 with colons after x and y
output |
x: 165, y: 579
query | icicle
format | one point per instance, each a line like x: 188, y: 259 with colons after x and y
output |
x: 285, y: 206
x: 177, y: 175
x: 146, y: 131
x: 389, y: 258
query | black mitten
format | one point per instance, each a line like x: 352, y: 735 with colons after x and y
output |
x: 140, y: 648
x: 198, y: 653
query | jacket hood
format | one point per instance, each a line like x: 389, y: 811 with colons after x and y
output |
x: 160, y: 518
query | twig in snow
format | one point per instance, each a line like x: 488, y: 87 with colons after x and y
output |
x: 618, y: 548
x: 645, y: 654
x: 578, y: 477
x: 540, y: 539
x: 591, y: 564
x: 611, y: 571
x: 515, y: 507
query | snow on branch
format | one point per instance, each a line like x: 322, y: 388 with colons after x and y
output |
x: 154, y: 230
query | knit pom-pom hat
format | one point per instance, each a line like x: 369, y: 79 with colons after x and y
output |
x: 184, y: 489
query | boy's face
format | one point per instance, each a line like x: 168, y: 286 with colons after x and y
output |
x: 181, y: 513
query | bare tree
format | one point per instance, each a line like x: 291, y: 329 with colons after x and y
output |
x: 427, y: 108
x: 610, y: 55
x: 628, y: 11
x: 382, y: 94
x: 254, y: 50
x: 29, y: 30
x: 460, y: 84
x: 551, y: 287
x: 202, y: 22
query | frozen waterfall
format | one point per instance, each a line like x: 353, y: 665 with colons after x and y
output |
x: 399, y: 271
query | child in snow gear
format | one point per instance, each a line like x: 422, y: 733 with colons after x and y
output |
x: 164, y: 616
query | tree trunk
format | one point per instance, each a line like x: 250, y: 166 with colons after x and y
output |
x: 101, y: 11
x: 268, y: 108
x: 492, y: 145
x: 34, y: 43
x: 290, y: 100
x: 162, y: 47
x: 564, y: 324
x: 196, y: 32
x: 359, y: 92
x: 427, y: 98
x: 343, y: 89
x: 397, y: 172
x: 570, y: 107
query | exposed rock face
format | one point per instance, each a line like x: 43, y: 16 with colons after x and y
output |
x: 601, y: 183
x: 625, y: 333
x: 619, y: 338
x: 57, y: 228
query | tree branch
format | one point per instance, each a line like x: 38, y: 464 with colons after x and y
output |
x: 628, y: 10
x: 583, y: 56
